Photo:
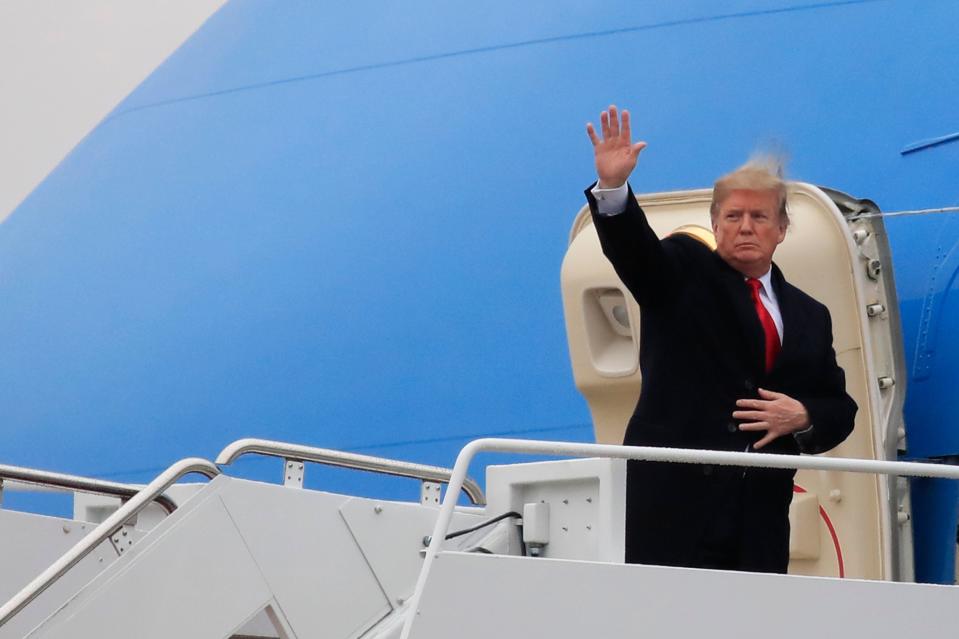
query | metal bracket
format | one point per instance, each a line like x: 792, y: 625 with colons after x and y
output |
x: 122, y: 539
x: 293, y: 472
x: 430, y: 492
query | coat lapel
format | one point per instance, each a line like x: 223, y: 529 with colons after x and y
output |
x: 792, y: 319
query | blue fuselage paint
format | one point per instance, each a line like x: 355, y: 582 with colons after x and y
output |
x: 343, y: 225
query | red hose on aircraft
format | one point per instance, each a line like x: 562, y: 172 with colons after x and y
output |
x: 832, y: 532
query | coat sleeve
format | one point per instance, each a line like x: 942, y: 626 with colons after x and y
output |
x: 832, y: 411
x: 649, y: 268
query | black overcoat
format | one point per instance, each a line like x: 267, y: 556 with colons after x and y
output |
x: 701, y: 349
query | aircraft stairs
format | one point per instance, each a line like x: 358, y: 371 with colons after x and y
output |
x: 539, y: 555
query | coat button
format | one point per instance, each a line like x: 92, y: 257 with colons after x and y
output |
x: 732, y: 427
x: 707, y: 470
x: 749, y: 386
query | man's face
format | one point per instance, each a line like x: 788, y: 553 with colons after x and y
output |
x: 748, y: 230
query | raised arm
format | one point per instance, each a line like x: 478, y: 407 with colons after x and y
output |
x: 641, y: 261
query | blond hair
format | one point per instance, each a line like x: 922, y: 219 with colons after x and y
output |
x: 760, y: 173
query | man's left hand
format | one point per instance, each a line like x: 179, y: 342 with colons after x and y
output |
x: 775, y: 413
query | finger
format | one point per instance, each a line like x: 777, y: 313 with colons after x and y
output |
x: 750, y: 414
x: 768, y: 394
x: 765, y: 440
x: 639, y: 146
x: 760, y: 404
x: 751, y: 426
x: 604, y: 124
x: 613, y: 120
x: 626, y: 130
x: 591, y: 132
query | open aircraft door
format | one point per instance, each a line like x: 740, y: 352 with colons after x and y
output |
x: 836, y: 250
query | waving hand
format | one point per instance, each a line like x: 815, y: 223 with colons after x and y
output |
x: 614, y: 153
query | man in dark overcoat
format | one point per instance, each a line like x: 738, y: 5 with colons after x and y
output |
x: 733, y: 358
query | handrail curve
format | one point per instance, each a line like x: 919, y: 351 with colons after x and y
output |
x: 331, y: 457
x: 103, y: 531
x: 78, y: 483
x: 646, y: 453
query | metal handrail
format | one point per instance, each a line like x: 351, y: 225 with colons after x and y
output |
x: 77, y: 483
x: 103, y: 531
x: 646, y: 453
x: 343, y: 459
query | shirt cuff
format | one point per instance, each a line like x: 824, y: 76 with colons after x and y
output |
x: 610, y: 201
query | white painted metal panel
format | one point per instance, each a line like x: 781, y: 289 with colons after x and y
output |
x: 195, y: 578
x: 308, y: 557
x: 390, y: 536
x: 29, y: 544
x: 481, y: 596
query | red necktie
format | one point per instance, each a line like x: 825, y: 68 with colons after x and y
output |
x: 769, y: 326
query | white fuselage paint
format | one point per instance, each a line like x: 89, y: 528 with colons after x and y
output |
x: 65, y: 65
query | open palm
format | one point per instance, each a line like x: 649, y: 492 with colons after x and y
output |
x: 614, y: 153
